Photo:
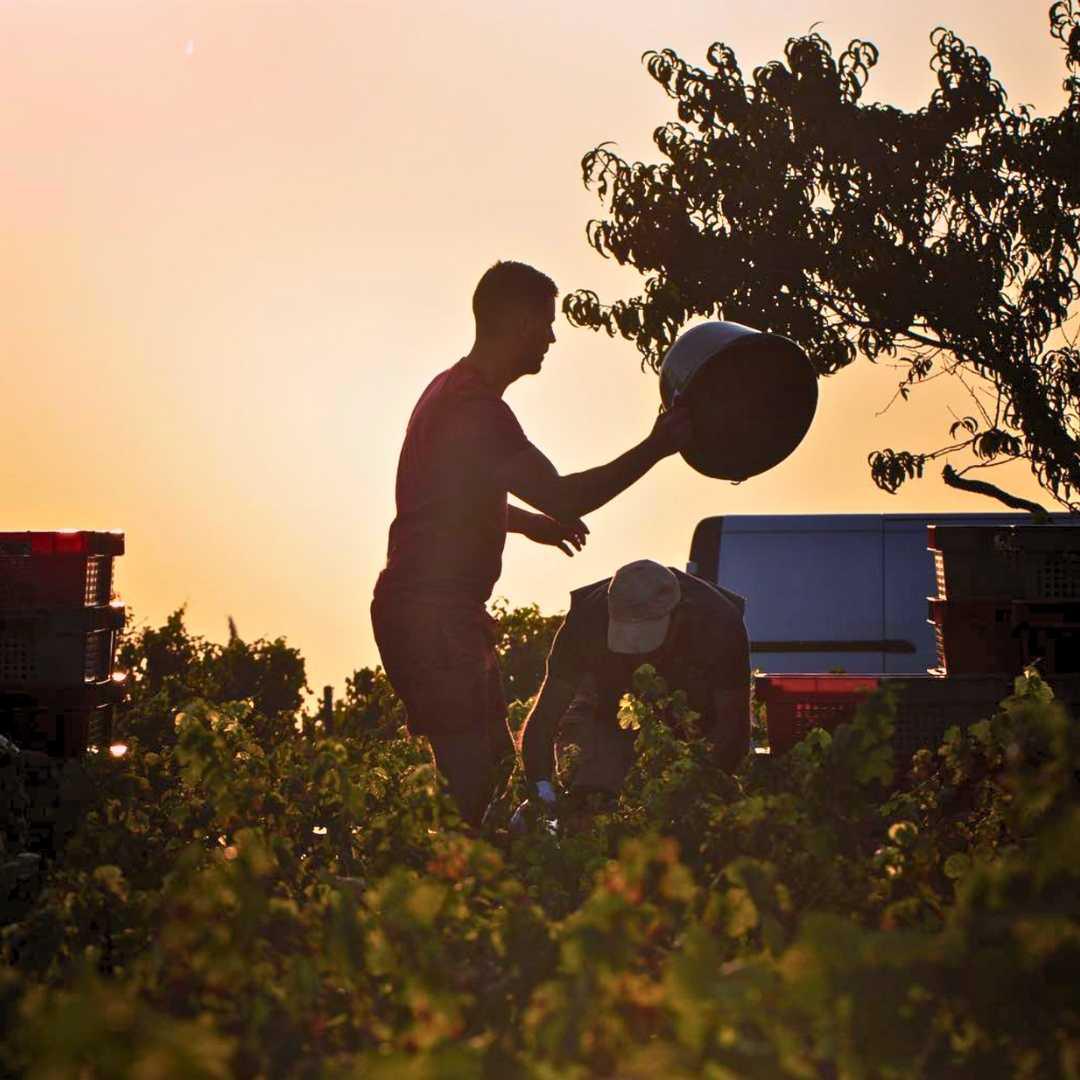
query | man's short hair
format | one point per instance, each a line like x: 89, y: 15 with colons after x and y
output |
x: 507, y: 285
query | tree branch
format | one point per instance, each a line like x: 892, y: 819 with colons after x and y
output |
x: 982, y: 487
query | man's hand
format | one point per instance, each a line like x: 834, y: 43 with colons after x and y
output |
x: 672, y: 431
x: 542, y: 529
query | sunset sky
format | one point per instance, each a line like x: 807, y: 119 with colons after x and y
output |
x: 238, y: 239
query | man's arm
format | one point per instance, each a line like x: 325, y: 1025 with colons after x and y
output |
x: 531, y: 477
x: 730, y: 732
x: 541, y: 726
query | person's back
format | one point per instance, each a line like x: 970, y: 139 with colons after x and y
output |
x: 707, y: 648
x: 691, y: 632
x: 449, y: 532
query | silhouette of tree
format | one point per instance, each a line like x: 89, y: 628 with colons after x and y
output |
x: 945, y: 238
x: 170, y: 667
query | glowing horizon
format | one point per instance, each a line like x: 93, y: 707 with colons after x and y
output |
x: 240, y: 241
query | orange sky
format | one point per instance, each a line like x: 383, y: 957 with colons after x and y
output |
x: 239, y: 238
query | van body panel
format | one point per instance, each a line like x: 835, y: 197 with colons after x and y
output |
x: 854, y: 585
x: 788, y: 569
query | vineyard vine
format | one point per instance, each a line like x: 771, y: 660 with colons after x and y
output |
x: 269, y: 894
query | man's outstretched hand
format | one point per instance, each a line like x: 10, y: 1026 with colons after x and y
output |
x: 542, y: 529
x: 672, y: 430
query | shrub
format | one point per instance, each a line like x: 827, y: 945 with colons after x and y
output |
x: 310, y: 905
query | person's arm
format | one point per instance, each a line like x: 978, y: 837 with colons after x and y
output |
x: 730, y: 731
x: 531, y: 477
x: 561, y: 677
x: 726, y: 655
x: 542, y: 529
x: 542, y: 725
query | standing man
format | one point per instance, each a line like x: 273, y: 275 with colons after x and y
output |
x: 692, y: 633
x: 464, y: 451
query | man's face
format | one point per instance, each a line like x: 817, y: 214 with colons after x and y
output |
x: 536, y: 334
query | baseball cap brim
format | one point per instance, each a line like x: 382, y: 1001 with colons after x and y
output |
x: 641, y: 636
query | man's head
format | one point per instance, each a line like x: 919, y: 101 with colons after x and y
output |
x: 641, y: 597
x: 514, y: 306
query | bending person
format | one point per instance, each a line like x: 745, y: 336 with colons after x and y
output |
x: 692, y: 633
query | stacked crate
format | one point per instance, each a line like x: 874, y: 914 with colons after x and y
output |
x: 42, y: 801
x: 926, y: 705
x: 795, y: 704
x: 59, y: 626
x: 1007, y: 597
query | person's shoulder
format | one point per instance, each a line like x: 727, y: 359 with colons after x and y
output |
x: 588, y: 596
x: 437, y: 391
x: 583, y: 629
x: 460, y: 397
x: 692, y: 586
x: 705, y: 596
x: 588, y: 608
x: 472, y: 395
x: 465, y: 381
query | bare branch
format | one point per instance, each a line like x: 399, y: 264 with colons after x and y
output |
x: 982, y: 487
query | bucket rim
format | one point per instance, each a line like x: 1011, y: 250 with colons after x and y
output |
x: 752, y: 339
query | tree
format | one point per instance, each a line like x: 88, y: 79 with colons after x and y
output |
x: 946, y: 238
x: 525, y: 637
x: 169, y: 667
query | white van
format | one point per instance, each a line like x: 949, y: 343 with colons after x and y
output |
x: 829, y: 592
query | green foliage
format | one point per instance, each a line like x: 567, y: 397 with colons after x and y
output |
x: 370, y: 705
x: 523, y: 641
x: 311, y: 906
x: 947, y: 237
x: 169, y: 666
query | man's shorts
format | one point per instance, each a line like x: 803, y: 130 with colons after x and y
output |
x: 440, y: 658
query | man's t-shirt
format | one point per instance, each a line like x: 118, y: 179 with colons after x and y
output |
x: 448, y: 536
x: 706, y: 650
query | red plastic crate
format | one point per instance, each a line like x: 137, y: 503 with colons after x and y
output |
x: 796, y: 703
x: 62, y: 542
x: 41, y: 583
x: 975, y: 637
x: 62, y: 729
x: 975, y: 562
x: 926, y: 705
x: 51, y: 571
x: 65, y: 649
x: 1014, y: 562
x: 1049, y: 561
x: 1049, y: 635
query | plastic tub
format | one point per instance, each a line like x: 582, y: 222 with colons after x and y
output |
x: 752, y: 397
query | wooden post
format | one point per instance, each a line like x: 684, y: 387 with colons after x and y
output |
x: 327, y: 710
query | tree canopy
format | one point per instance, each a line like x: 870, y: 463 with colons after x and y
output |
x: 946, y: 238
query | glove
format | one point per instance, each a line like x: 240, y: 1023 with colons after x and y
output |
x: 546, y: 793
x: 541, y: 808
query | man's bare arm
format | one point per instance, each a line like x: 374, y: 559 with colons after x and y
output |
x: 541, y: 727
x: 531, y: 476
